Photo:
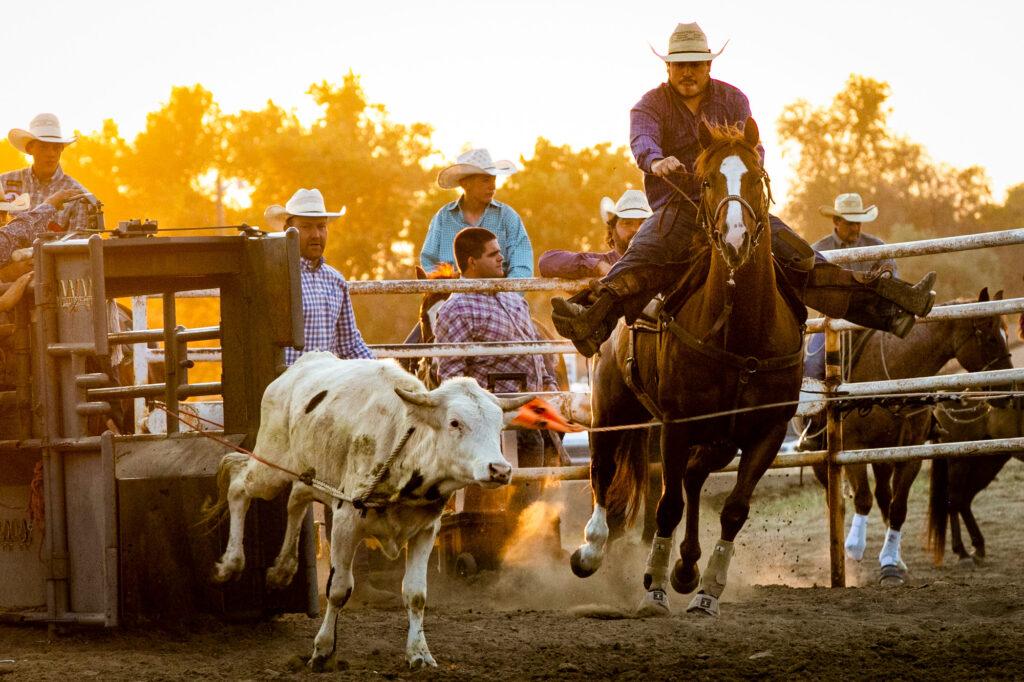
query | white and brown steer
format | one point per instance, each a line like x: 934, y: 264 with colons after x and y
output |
x: 344, y: 418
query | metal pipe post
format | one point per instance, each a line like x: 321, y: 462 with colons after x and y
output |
x: 834, y: 435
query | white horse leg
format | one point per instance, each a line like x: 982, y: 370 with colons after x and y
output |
x: 655, y: 599
x: 890, y: 554
x: 712, y: 583
x: 345, y: 537
x: 287, y: 562
x: 414, y: 593
x: 588, y: 557
x: 857, y: 538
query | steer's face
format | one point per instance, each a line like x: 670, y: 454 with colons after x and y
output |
x: 468, y: 423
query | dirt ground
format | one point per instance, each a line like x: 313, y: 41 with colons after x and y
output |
x: 535, y: 620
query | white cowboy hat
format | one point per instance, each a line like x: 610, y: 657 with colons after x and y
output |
x: 473, y: 162
x: 22, y: 202
x: 307, y: 203
x: 688, y: 44
x: 44, y: 128
x: 851, y: 207
x: 632, y: 204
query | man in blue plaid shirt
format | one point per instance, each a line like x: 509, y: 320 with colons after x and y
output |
x: 330, y: 323
x: 475, y: 172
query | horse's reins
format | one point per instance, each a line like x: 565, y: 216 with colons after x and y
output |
x: 359, y: 501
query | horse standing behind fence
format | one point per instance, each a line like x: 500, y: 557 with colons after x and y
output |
x: 956, y: 481
x: 735, y: 343
x: 977, y: 344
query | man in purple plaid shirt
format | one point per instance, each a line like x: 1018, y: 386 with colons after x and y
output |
x: 330, y: 323
x: 664, y: 137
x: 504, y: 316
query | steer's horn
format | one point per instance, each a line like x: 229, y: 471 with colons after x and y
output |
x: 507, y: 404
x: 419, y: 398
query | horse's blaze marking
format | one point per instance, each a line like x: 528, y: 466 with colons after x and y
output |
x: 733, y: 169
x: 316, y: 400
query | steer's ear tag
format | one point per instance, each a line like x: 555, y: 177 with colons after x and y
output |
x: 539, y: 414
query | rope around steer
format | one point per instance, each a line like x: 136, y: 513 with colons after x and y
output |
x: 308, y: 477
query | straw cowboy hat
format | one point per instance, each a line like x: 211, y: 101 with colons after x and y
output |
x: 473, y: 162
x: 851, y: 207
x: 688, y: 44
x: 44, y: 128
x: 306, y: 203
x: 14, y: 204
x: 632, y: 204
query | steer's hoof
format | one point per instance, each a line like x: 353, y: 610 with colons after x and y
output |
x: 703, y: 604
x: 223, y: 572
x: 279, y: 577
x: 576, y: 563
x: 684, y: 581
x: 421, y: 659
x: 319, y: 664
x: 654, y: 605
x: 892, y: 576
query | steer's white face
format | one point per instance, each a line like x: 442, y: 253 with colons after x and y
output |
x: 467, y: 446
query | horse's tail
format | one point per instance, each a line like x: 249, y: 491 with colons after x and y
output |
x: 213, y: 510
x: 625, y: 496
x: 938, y: 509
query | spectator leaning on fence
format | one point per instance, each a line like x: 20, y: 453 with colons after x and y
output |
x: 45, y: 178
x: 330, y: 324
x: 476, y: 174
x: 623, y: 219
x: 502, y: 316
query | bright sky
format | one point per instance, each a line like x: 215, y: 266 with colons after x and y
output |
x: 501, y: 73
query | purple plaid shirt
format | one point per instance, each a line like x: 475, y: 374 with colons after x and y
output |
x: 504, y: 316
x: 23, y: 230
x: 574, y: 264
x: 661, y: 125
x: 330, y: 323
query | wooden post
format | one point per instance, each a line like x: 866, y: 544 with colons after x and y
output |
x: 834, y: 435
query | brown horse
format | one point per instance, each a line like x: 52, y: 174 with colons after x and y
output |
x: 956, y: 482
x: 734, y: 343
x: 976, y: 344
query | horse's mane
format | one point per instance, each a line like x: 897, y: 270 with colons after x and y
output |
x: 723, y: 135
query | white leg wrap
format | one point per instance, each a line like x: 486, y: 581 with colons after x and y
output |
x: 713, y: 580
x: 657, y: 562
x: 890, y: 554
x: 857, y: 538
x: 596, y: 535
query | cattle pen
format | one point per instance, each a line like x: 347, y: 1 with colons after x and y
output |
x: 835, y: 389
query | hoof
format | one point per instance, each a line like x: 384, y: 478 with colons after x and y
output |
x: 703, y: 604
x: 684, y: 582
x: 892, y: 576
x: 279, y: 578
x: 654, y: 605
x: 576, y: 563
x: 978, y: 559
x: 855, y: 551
x: 319, y: 664
x: 223, y: 573
x: 421, y: 659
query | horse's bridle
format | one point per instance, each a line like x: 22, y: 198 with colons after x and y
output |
x: 708, y: 220
x: 977, y: 334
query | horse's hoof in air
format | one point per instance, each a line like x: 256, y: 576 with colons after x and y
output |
x: 893, y: 576
x: 684, y: 582
x: 703, y: 604
x: 855, y: 549
x: 576, y: 563
x: 654, y: 605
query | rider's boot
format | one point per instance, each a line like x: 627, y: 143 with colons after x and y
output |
x: 876, y: 302
x: 589, y: 317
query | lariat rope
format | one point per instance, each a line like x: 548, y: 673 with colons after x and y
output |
x: 359, y: 501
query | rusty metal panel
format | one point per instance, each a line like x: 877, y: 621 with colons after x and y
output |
x: 21, y: 563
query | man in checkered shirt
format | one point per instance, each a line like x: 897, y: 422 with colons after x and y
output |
x: 502, y: 316
x: 330, y: 323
